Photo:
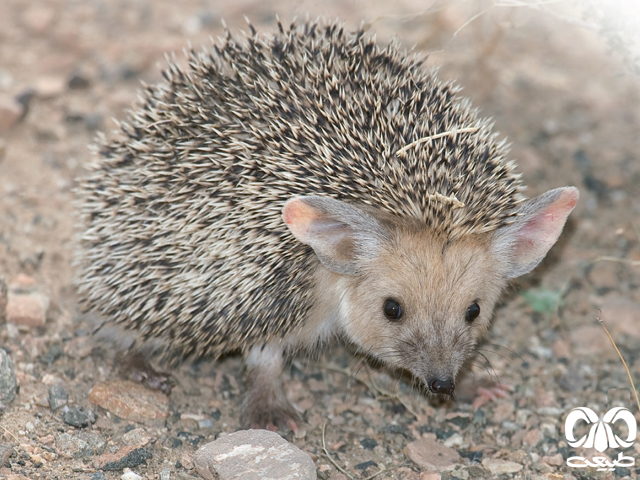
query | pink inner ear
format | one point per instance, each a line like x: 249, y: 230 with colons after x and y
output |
x: 299, y: 216
x: 541, y: 231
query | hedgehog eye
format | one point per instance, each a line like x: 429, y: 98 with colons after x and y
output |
x: 392, y: 309
x: 472, y: 312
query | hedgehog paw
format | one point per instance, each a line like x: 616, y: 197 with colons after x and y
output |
x: 490, y: 394
x: 273, y: 417
x: 137, y: 368
x: 266, y: 405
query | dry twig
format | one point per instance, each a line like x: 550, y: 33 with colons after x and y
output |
x: 335, y: 464
x: 633, y: 263
x: 635, y: 392
x: 10, y: 434
x: 450, y: 133
x: 326, y: 454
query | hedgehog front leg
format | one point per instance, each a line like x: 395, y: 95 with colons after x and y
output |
x: 265, y: 404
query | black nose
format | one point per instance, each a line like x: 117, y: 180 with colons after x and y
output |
x: 440, y: 385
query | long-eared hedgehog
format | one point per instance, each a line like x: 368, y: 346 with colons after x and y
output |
x: 284, y: 190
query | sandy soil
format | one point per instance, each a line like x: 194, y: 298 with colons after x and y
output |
x: 561, y: 97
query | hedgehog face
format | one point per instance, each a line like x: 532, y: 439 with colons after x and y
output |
x: 424, y: 303
x: 406, y: 295
x: 413, y: 297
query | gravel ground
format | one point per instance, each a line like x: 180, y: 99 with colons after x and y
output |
x: 69, y: 68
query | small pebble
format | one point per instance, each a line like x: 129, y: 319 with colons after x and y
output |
x: 50, y: 86
x: 498, y: 467
x: 555, y: 460
x: 365, y: 465
x: 8, y: 382
x: 130, y: 476
x: 368, y: 443
x: 131, y: 401
x: 206, y: 423
x: 38, y: 17
x: 126, y: 457
x: 430, y: 476
x: 78, y: 417
x: 342, y: 476
x: 11, y: 111
x: 137, y: 436
x: 47, y: 439
x: 6, y: 452
x: 78, y: 348
x: 460, y: 474
x: 3, y: 286
x: 185, y: 476
x: 186, y: 459
x: 454, y: 440
x: 48, y: 380
x: 27, y: 309
x: 58, y: 397
x: 503, y: 412
x: 532, y: 437
x: 51, y: 355
x: 253, y: 455
x: 78, y: 81
x: 431, y: 455
x: 81, y: 446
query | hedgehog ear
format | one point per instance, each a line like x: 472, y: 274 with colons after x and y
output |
x: 341, y: 234
x: 523, y: 244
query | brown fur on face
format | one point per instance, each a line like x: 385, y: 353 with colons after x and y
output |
x: 435, y: 281
x: 434, y: 276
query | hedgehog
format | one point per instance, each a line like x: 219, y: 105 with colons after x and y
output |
x: 284, y: 190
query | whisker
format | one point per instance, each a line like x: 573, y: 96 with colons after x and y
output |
x: 508, y: 348
x: 495, y: 374
x: 495, y: 353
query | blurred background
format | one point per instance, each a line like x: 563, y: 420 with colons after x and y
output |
x: 559, y: 76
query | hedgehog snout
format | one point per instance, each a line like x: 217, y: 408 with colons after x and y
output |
x: 439, y: 380
x: 432, y: 361
x: 442, y: 386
